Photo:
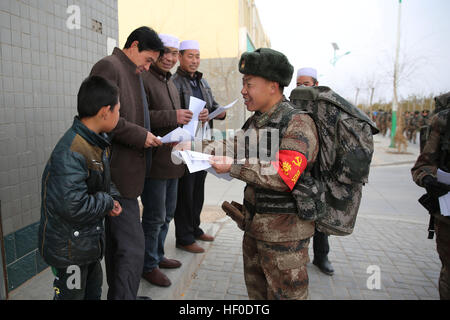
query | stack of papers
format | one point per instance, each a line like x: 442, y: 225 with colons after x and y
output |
x: 444, y: 201
x: 187, y: 133
x: 197, y: 161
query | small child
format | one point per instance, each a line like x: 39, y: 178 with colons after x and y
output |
x: 77, y: 194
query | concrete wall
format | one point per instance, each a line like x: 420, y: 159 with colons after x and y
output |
x: 214, y: 23
x: 47, y: 48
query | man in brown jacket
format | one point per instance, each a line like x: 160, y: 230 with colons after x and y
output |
x: 131, y: 142
x: 159, y: 197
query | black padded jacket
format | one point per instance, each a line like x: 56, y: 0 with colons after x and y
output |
x: 76, y: 195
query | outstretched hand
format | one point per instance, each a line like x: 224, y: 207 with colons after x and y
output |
x: 221, y: 164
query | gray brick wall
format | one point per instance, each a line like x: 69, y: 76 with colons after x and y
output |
x: 42, y: 64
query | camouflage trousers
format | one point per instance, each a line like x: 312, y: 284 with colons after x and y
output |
x: 443, y: 248
x: 275, y: 270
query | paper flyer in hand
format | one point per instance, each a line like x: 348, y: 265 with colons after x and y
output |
x: 219, y: 110
x: 196, y: 106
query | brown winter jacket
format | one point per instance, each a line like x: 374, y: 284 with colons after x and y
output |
x: 163, y: 102
x: 128, y: 156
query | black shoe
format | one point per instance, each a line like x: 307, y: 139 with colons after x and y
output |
x: 143, y: 298
x: 324, y: 265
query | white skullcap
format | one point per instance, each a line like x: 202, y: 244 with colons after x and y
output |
x: 169, y: 40
x: 309, y: 72
x: 189, y: 45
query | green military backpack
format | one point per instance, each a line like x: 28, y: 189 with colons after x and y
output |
x: 345, y: 153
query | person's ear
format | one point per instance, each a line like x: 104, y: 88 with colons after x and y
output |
x: 104, y: 112
x: 275, y: 87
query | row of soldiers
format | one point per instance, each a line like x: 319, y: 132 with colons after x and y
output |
x: 412, y: 122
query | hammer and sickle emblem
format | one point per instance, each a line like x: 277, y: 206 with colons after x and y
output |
x: 298, y: 161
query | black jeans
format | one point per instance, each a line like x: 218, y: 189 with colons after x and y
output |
x: 191, y: 195
x: 321, y: 247
x: 124, y: 254
x: 78, y: 282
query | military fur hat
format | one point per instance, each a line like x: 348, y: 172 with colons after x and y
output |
x: 267, y: 63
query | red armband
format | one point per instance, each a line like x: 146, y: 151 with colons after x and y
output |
x: 290, y: 165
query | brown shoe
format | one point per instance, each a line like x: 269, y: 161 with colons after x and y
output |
x: 193, y: 248
x: 169, y: 263
x: 205, y: 237
x: 157, y: 278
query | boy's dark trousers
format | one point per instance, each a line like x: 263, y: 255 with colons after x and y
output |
x: 78, y: 282
x: 125, y: 248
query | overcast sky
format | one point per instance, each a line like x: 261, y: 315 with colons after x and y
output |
x: 305, y: 29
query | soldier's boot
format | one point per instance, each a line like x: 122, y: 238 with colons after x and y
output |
x: 324, y: 265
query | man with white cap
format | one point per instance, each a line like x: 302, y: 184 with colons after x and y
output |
x: 190, y: 82
x: 161, y: 183
x: 308, y: 77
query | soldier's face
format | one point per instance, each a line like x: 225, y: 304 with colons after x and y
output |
x: 257, y: 93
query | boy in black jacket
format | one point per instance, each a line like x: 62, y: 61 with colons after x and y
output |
x: 77, y: 193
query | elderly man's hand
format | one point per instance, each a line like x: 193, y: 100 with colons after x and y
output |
x: 203, y: 116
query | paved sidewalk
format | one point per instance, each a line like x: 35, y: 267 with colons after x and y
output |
x: 408, y: 263
x: 390, y: 234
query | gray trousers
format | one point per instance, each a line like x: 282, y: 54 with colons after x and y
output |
x: 124, y: 254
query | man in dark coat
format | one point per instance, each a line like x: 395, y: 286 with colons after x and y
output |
x: 191, y: 187
x: 131, y: 158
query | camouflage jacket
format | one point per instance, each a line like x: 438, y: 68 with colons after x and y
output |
x: 300, y: 136
x: 430, y: 158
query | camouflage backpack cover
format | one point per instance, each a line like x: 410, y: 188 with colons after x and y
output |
x: 345, y: 154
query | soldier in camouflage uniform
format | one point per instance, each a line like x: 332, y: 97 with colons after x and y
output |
x: 414, y: 125
x: 436, y: 155
x: 383, y: 123
x: 276, y: 238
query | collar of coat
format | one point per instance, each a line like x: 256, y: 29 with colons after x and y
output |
x: 160, y: 74
x: 197, y: 75
x: 124, y: 58
x: 261, y: 119
x: 99, y: 140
